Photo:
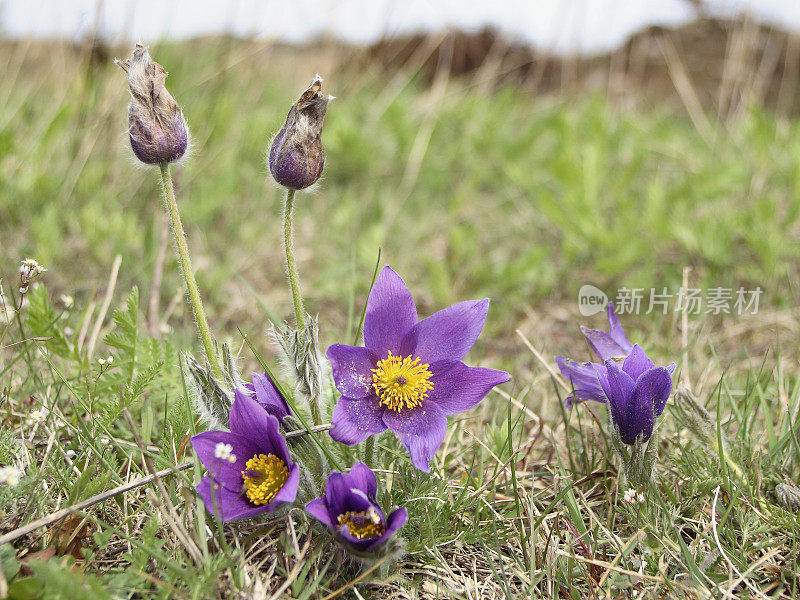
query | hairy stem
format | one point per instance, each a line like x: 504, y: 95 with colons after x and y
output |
x: 291, y: 266
x: 186, y: 269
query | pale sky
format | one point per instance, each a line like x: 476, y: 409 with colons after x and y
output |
x: 561, y: 25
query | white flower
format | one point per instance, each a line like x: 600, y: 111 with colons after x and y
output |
x: 105, y: 440
x: 101, y: 361
x: 67, y: 300
x: 39, y: 414
x: 9, y: 475
x: 225, y: 452
x: 630, y: 495
x: 640, y: 497
x: 28, y: 269
x: 110, y: 359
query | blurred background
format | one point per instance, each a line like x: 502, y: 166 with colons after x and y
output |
x: 517, y: 150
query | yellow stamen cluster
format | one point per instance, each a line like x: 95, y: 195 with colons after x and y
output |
x: 401, y: 382
x: 264, y: 477
x: 362, y: 524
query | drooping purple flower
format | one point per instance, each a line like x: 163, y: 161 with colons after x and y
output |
x: 264, y: 391
x: 250, y: 470
x: 349, y: 509
x: 586, y: 377
x: 156, y: 127
x: 637, y: 392
x: 296, y: 156
x: 612, y: 344
x: 409, y: 375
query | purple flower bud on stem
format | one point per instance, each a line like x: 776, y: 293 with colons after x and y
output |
x: 157, y: 129
x: 296, y: 156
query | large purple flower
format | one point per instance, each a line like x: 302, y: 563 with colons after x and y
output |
x: 637, y: 392
x: 250, y: 470
x: 264, y: 391
x: 408, y: 376
x: 349, y: 508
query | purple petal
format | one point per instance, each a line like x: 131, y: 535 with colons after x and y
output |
x: 352, y: 369
x: 289, y: 490
x: 248, y: 419
x: 226, y: 504
x: 603, y: 344
x: 390, y: 313
x: 457, y: 387
x: 616, y: 331
x: 637, y: 363
x: 274, y: 442
x: 655, y: 385
x: 353, y: 421
x: 269, y: 397
x: 421, y: 430
x: 583, y: 378
x: 448, y: 334
x: 340, y: 497
x: 318, y: 509
x: 671, y: 368
x: 619, y: 389
x: 395, y: 521
x: 362, y: 478
x: 226, y: 473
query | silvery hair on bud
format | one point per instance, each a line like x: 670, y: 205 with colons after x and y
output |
x: 157, y: 129
x: 296, y: 156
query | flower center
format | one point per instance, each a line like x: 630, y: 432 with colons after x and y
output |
x: 401, y: 382
x: 264, y: 477
x: 363, y: 524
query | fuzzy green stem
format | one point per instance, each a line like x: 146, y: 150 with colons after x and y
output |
x: 369, y: 451
x: 179, y: 237
x: 291, y: 266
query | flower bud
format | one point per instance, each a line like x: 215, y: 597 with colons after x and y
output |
x: 296, y: 157
x: 157, y: 129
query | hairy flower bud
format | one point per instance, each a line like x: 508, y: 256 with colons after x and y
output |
x: 157, y: 129
x: 296, y: 157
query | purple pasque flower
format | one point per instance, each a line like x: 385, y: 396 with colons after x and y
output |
x: 264, y: 391
x: 349, y: 509
x: 250, y: 470
x: 408, y: 376
x: 637, y: 392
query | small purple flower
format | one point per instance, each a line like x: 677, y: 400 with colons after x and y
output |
x: 637, y: 392
x: 349, y: 509
x: 264, y: 391
x: 250, y: 470
x: 408, y: 376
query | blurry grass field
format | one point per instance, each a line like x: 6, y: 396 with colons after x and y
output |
x: 469, y: 193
